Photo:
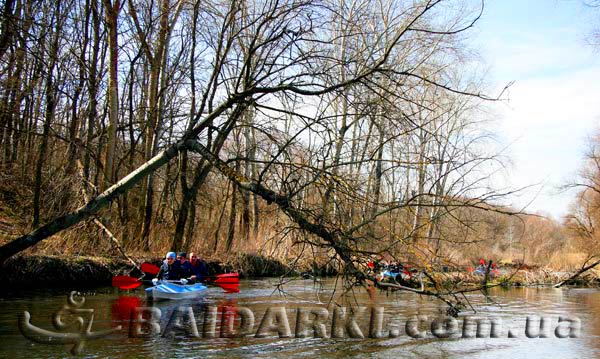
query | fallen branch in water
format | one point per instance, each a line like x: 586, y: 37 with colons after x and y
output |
x: 337, y: 240
x: 583, y: 269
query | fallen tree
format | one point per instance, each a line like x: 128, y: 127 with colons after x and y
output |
x: 310, y: 51
x: 290, y: 38
x: 584, y: 268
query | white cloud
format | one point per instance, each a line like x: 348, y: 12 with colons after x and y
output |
x: 548, y: 120
x: 555, y: 101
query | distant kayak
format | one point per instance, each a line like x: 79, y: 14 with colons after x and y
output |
x: 166, y: 290
x: 400, y: 277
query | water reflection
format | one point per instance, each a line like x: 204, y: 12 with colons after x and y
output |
x: 222, y: 315
x: 123, y: 306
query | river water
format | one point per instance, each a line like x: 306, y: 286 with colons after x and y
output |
x: 384, y: 315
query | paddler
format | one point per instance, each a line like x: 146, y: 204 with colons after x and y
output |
x: 185, y: 267
x: 199, y: 268
x: 170, y: 269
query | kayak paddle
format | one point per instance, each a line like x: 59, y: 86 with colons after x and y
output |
x: 229, y: 287
x: 149, y: 268
x: 125, y: 282
x: 225, y: 278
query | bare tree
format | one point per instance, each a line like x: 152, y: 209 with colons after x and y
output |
x: 349, y: 117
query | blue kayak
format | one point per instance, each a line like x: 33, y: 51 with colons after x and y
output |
x: 166, y: 290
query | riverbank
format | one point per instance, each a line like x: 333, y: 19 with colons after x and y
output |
x: 515, y: 277
x: 54, y: 271
x: 63, y: 271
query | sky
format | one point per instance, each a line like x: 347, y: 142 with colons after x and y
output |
x: 553, y: 106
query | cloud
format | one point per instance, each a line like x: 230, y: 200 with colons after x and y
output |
x: 554, y: 103
x: 548, y: 120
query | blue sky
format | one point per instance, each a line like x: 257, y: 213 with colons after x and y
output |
x: 554, y: 104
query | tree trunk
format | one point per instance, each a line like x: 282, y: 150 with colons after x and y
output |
x: 202, y: 170
x: 232, y: 213
x: 153, y: 124
x: 92, y: 110
x: 112, y: 14
x: 90, y: 208
x: 74, y: 125
x: 378, y: 172
x: 7, y: 26
x: 249, y: 163
x: 50, y: 94
x: 65, y: 221
x: 421, y: 168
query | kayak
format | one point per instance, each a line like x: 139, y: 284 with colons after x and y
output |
x: 481, y: 271
x: 166, y: 290
x: 397, y: 276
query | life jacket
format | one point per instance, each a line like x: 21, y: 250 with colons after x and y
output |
x: 170, y: 272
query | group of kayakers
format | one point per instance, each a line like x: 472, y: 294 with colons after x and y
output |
x: 177, y: 267
x: 482, y: 268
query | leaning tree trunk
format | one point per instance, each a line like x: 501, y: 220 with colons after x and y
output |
x: 90, y: 208
x: 186, y: 214
x: 105, y: 198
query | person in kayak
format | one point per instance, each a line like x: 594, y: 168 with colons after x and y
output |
x: 185, y: 267
x: 170, y: 269
x: 199, y: 268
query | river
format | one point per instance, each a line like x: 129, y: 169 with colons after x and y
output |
x: 384, y: 314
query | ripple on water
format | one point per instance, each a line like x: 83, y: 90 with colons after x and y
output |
x: 512, y: 306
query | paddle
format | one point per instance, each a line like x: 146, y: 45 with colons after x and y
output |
x: 125, y: 282
x: 149, y: 268
x: 230, y: 284
x: 225, y: 278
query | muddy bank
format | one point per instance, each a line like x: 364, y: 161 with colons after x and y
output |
x: 514, y: 278
x: 256, y: 266
x: 47, y: 271
x: 54, y: 271
x: 544, y: 277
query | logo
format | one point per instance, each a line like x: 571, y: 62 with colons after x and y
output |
x: 74, y: 310
x: 232, y: 321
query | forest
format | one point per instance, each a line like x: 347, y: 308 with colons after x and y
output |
x: 314, y: 132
